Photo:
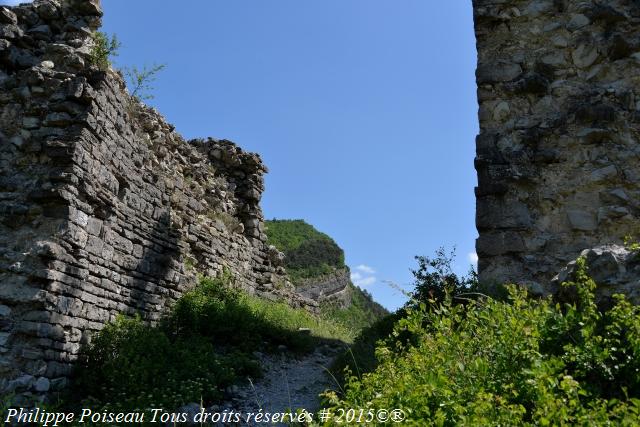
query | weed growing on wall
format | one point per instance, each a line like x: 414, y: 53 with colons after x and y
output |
x: 141, y: 80
x: 104, y: 48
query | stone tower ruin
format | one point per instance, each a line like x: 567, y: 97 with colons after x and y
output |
x: 558, y: 154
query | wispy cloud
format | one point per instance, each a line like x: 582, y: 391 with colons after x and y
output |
x: 473, y: 259
x: 365, y: 269
x: 362, y: 281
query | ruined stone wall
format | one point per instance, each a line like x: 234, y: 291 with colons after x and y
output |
x: 104, y: 209
x: 558, y: 151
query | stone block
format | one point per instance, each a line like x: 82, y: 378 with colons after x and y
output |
x: 582, y: 220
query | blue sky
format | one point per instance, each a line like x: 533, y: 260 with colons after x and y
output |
x: 364, y: 111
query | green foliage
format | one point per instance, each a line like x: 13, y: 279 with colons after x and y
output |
x: 189, y: 263
x: 229, y: 316
x: 631, y: 242
x: 132, y: 365
x: 435, y: 280
x: 6, y: 403
x: 202, y: 346
x: 141, y: 80
x: 309, y: 253
x: 362, y: 311
x: 516, y: 362
x: 288, y: 235
x: 360, y: 357
x: 104, y: 48
x: 434, y: 283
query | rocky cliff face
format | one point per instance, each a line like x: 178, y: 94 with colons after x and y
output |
x: 557, y: 154
x: 333, y: 288
x: 104, y: 209
x: 313, y: 260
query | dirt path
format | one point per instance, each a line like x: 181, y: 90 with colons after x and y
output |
x: 289, y: 383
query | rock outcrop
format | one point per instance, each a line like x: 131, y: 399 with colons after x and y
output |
x: 313, y: 260
x: 558, y: 150
x: 614, y: 268
x: 333, y: 288
x: 104, y: 208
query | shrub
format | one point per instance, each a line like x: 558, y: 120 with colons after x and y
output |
x: 141, y: 79
x: 434, y: 283
x: 205, y: 344
x: 515, y: 362
x: 132, y: 365
x: 435, y: 280
x: 360, y: 357
x: 104, y: 48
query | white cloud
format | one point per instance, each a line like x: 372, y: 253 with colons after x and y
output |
x: 12, y: 2
x: 363, y: 277
x: 473, y: 259
x: 365, y: 269
x: 367, y: 281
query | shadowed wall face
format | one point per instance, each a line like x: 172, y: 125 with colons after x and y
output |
x: 104, y: 209
x: 557, y: 155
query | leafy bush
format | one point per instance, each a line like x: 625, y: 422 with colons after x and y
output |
x: 515, y: 362
x: 205, y: 344
x: 104, y: 47
x: 132, y: 365
x: 435, y: 280
x: 360, y: 357
x: 434, y: 283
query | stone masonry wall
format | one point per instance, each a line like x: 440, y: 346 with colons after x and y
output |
x: 558, y: 151
x: 104, y: 209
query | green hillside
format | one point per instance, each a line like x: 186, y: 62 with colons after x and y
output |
x: 309, y: 253
x: 362, y: 313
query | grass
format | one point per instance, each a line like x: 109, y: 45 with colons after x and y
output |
x: 204, y: 345
x: 230, y: 222
x: 361, y: 313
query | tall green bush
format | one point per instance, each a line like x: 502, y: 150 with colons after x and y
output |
x: 515, y: 362
x: 130, y: 365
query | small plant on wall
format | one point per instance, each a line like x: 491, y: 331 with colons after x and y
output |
x: 104, y: 48
x: 141, y: 79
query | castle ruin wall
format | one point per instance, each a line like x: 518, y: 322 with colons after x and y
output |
x: 104, y: 208
x: 558, y: 150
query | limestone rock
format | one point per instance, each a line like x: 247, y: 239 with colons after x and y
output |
x: 42, y: 385
x: 7, y: 16
x: 566, y: 147
x: 614, y: 268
